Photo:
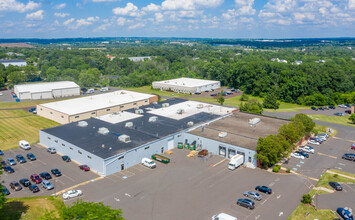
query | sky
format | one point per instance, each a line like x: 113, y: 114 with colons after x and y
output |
x: 272, y: 19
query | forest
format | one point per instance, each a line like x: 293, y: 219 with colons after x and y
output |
x: 325, y: 76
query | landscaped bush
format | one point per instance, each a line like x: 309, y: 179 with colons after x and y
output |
x: 288, y: 170
x: 306, y: 199
x: 275, y: 169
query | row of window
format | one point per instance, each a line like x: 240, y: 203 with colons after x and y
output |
x: 56, y: 141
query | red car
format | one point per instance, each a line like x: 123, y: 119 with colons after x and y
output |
x: 84, y: 167
x: 353, y: 146
x: 35, y: 178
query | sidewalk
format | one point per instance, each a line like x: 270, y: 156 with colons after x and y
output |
x: 349, y: 177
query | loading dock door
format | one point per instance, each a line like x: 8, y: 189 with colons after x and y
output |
x: 231, y: 153
x: 171, y: 144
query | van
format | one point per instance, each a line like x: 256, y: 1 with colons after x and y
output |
x: 90, y: 91
x: 104, y: 89
x: 223, y: 216
x: 24, y: 145
x: 148, y: 163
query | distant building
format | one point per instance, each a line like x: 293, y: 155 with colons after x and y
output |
x: 110, y: 57
x: 7, y: 63
x: 35, y: 91
x: 187, y: 85
x: 138, y: 59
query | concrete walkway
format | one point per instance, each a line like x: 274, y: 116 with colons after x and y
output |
x: 324, y: 189
x: 346, y: 176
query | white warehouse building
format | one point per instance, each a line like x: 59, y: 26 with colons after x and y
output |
x: 187, y: 85
x: 50, y: 90
x: 15, y: 62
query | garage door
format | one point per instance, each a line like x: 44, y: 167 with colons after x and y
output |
x: 171, y: 144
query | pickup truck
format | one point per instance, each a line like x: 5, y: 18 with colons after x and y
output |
x: 160, y: 158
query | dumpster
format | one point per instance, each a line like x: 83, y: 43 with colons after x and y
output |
x: 202, y: 153
x: 186, y: 146
x: 180, y: 145
x: 160, y: 158
x: 193, y: 146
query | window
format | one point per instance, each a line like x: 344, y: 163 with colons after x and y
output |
x: 121, y: 157
x: 56, y: 141
x: 146, y: 148
x: 63, y: 145
x: 77, y: 116
x: 146, y: 101
x: 51, y: 112
x: 249, y: 159
x: 79, y: 152
x: 89, y: 157
x: 49, y: 138
x: 62, y: 116
x: 122, y: 106
x: 70, y: 148
x: 134, y: 103
x: 108, y: 110
x: 93, y: 113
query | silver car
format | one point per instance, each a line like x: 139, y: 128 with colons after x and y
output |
x: 51, y: 150
x: 47, y: 185
x: 253, y: 195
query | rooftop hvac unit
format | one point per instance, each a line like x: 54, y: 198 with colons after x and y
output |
x: 82, y: 124
x: 222, y: 134
x: 129, y: 124
x: 103, y: 131
x: 155, y: 103
x: 122, y: 92
x: 190, y: 123
x: 153, y: 119
x: 180, y: 111
x: 199, y: 106
x: 116, y: 113
x: 139, y: 111
x: 124, y: 138
x: 254, y: 121
x: 165, y: 105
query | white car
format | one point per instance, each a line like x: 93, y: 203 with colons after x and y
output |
x: 1, y: 94
x: 72, y: 194
x: 307, y: 149
x: 313, y: 142
x: 296, y: 155
x: 322, y: 138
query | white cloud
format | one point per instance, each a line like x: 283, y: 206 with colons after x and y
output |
x: 69, y: 21
x: 151, y: 7
x: 38, y: 15
x: 245, y: 7
x: 31, y: 25
x: 351, y: 4
x: 13, y: 5
x: 137, y: 25
x: 75, y: 24
x: 189, y: 4
x: 121, y: 21
x: 102, y: 27
x: 104, y: 0
x: 129, y: 10
x: 61, y: 15
x: 159, y: 17
x: 60, y: 6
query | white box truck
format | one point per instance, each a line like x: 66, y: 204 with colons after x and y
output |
x: 223, y: 216
x: 148, y: 163
x: 235, y: 162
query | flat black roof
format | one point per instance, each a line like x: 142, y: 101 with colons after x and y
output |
x: 142, y: 132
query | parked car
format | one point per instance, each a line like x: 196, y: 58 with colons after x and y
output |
x: 342, y: 106
x: 264, y: 189
x: 1, y: 153
x: 353, y: 146
x: 326, y: 108
x: 2, y: 164
x: 323, y: 135
x: 297, y: 155
x: 332, y: 107
x: 348, y: 105
x: 84, y: 167
x: 322, y: 138
x: 5, y: 190
x: 253, y: 195
x: 345, y: 214
x: 350, y: 157
x: 56, y: 172
x: 45, y: 175
x: 24, y: 145
x: 15, y: 186
x: 104, y: 89
x: 335, y: 186
x: 11, y: 161
x: 348, y: 111
x: 304, y: 154
x: 32, y: 110
x: 72, y: 194
x: 31, y: 157
x: 20, y: 158
x: 213, y: 94
x: 316, y: 139
x: 51, y: 150
x: 313, y: 142
x: 321, y: 108
x: 66, y: 158
x: 307, y: 149
x: 25, y: 182
x: 35, y: 178
x: 246, y: 203
x: 8, y: 169
x: 339, y: 114
x: 33, y: 188
x: 314, y: 108
x: 148, y: 163
x: 47, y: 185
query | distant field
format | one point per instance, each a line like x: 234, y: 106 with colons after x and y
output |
x: 341, y: 120
x: 148, y: 89
x: 26, y: 104
x: 17, y: 125
x: 29, y: 208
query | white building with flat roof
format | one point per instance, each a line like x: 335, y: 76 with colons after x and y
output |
x: 50, y: 90
x: 187, y: 85
x: 93, y: 106
x: 19, y: 63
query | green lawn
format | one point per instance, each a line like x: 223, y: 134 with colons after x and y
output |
x: 148, y: 89
x: 16, y: 125
x: 302, y: 210
x: 341, y: 120
x: 345, y: 173
x: 323, y: 129
x: 324, y: 180
x: 29, y: 208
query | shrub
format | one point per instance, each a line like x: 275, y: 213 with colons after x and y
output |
x: 278, y: 166
x: 306, y: 199
x: 275, y: 169
x: 335, y: 175
x: 288, y: 170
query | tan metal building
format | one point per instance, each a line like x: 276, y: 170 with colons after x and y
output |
x: 93, y: 106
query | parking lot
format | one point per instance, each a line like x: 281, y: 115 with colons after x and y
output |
x: 345, y: 198
x: 190, y: 188
x: 71, y: 174
x: 329, y: 112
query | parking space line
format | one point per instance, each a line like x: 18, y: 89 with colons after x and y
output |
x: 327, y: 155
x: 312, y: 178
x: 69, y: 177
x: 344, y: 139
x: 80, y: 184
x: 216, y: 164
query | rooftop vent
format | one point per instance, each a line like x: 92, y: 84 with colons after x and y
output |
x: 155, y: 103
x: 180, y: 111
x: 139, y: 111
x: 82, y: 124
x: 190, y: 123
x: 165, y: 105
x: 153, y: 119
x: 199, y: 106
x: 122, y: 92
x: 254, y: 121
x: 222, y: 134
x: 103, y: 131
x: 116, y: 113
x: 129, y: 124
x: 124, y: 138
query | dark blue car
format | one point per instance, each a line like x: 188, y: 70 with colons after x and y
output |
x: 303, y: 154
x: 5, y: 190
x: 264, y: 189
x: 345, y: 214
x: 1, y: 153
x: 20, y: 158
x: 8, y: 169
x: 31, y: 156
